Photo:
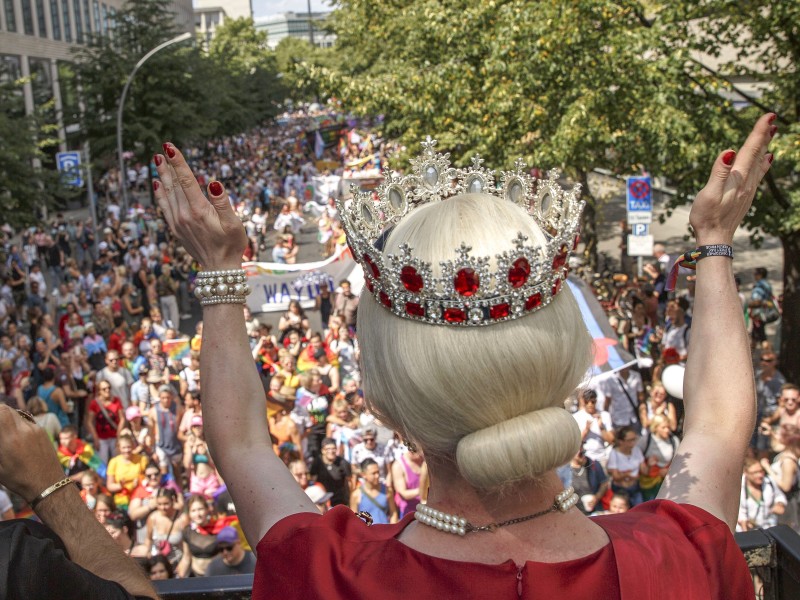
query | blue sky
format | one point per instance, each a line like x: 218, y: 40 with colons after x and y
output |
x: 262, y: 8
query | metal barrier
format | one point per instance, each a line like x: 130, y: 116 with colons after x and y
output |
x: 773, y: 556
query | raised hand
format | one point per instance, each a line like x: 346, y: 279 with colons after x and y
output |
x: 207, y: 227
x: 721, y: 205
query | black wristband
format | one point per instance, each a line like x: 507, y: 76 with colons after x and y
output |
x: 715, y: 250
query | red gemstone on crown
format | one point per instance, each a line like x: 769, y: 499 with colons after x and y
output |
x: 561, y: 258
x: 499, y: 311
x: 411, y: 279
x: 466, y: 282
x: 369, y: 285
x: 533, y: 301
x: 519, y: 272
x: 414, y: 309
x: 372, y: 266
x: 556, y: 287
x: 454, y: 315
x: 385, y: 300
x: 575, y: 242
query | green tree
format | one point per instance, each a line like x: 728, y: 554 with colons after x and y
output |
x: 25, y: 187
x: 291, y: 53
x: 757, y: 42
x: 245, y: 64
x: 578, y: 85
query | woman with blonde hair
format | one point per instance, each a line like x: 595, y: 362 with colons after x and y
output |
x: 656, y: 405
x: 658, y: 447
x: 466, y: 293
x: 46, y: 420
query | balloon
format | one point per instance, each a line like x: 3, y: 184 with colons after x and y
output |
x: 672, y: 378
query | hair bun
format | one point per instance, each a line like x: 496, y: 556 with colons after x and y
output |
x: 524, y: 447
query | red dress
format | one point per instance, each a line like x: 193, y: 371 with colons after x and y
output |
x: 659, y: 550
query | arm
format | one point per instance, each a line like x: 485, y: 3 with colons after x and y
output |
x: 140, y: 508
x: 28, y: 465
x: 355, y: 498
x: 720, y: 401
x: 186, y: 562
x: 399, y: 479
x: 261, y: 486
x: 90, y: 420
x: 111, y: 481
x: 672, y: 416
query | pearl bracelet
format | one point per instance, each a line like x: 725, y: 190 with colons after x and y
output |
x: 221, y: 287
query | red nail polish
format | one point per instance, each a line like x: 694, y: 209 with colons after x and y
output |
x: 157, y: 159
x: 216, y: 189
x: 156, y: 184
x: 169, y: 149
x: 770, y: 157
x: 728, y: 157
x: 772, y: 118
x: 773, y: 130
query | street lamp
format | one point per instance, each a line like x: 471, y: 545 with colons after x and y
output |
x: 122, y: 175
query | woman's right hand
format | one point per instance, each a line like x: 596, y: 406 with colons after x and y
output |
x: 207, y: 227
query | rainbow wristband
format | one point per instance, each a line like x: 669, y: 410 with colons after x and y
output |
x: 689, y: 260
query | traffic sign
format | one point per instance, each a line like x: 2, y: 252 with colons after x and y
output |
x: 636, y: 218
x: 69, y: 165
x: 639, y: 194
x: 640, y: 229
x: 640, y: 245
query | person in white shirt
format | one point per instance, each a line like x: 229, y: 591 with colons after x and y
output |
x: 761, y: 501
x: 595, y: 425
x: 626, y: 463
x: 620, y: 394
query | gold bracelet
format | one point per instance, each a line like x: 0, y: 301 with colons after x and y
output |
x: 56, y: 486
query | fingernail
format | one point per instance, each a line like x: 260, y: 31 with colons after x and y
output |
x: 216, y: 189
x: 770, y: 156
x: 156, y: 184
x: 728, y: 157
x: 773, y: 130
x: 157, y: 159
x: 168, y: 148
x: 772, y: 118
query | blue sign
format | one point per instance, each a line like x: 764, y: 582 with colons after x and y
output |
x: 639, y: 229
x: 639, y: 194
x: 69, y: 165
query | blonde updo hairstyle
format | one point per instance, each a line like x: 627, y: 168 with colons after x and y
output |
x: 489, y: 399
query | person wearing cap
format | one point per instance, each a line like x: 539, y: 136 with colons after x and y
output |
x: 95, y: 346
x: 319, y: 496
x: 138, y: 430
x: 233, y: 559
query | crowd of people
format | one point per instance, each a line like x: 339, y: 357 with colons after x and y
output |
x: 84, y: 316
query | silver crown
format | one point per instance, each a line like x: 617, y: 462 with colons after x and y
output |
x: 467, y: 293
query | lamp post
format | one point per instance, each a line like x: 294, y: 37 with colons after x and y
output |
x: 122, y: 175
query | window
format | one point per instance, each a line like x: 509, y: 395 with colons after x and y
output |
x: 96, y: 11
x: 76, y: 11
x: 104, y: 20
x: 112, y: 19
x: 55, y: 19
x: 41, y: 80
x: 11, y: 17
x: 67, y: 26
x: 27, y: 17
x: 87, y: 17
x: 40, y: 18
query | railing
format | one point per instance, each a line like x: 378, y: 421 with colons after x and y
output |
x: 773, y: 556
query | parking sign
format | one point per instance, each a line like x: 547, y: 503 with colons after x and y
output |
x: 69, y: 165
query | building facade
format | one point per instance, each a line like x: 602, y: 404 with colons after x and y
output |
x: 36, y: 42
x: 296, y: 25
x: 210, y: 14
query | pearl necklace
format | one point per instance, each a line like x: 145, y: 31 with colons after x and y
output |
x: 455, y: 524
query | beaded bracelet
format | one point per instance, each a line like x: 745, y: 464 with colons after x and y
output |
x: 221, y: 287
x: 55, y: 487
x: 689, y: 259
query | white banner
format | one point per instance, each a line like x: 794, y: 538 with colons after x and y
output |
x: 275, y: 285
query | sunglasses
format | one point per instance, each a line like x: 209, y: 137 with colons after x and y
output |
x: 369, y: 439
x: 152, y: 475
x: 225, y: 548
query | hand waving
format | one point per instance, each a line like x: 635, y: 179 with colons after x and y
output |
x: 207, y: 227
x: 722, y: 204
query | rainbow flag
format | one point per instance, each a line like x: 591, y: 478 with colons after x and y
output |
x: 84, y: 453
x: 177, y: 350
